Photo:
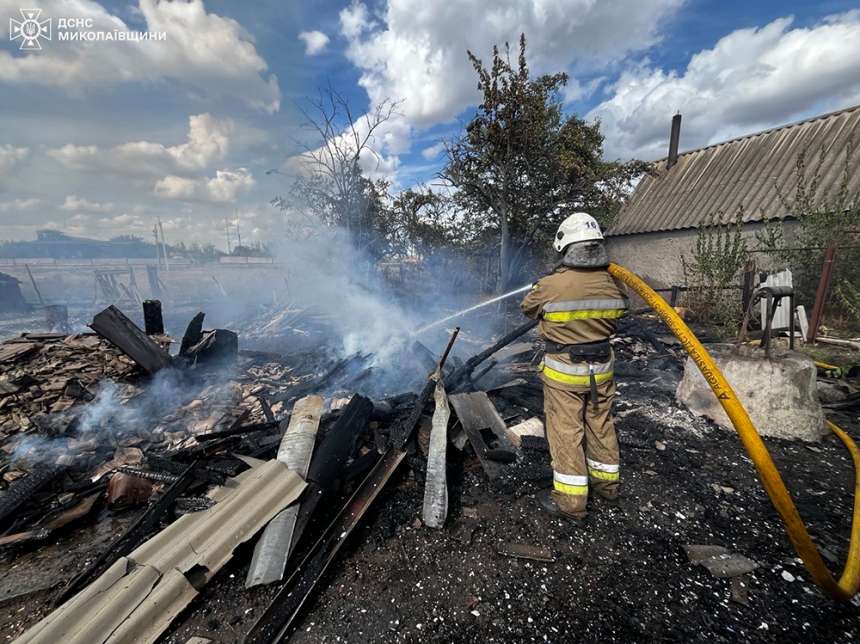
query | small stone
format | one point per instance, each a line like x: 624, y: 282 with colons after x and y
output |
x: 660, y: 446
x: 787, y: 576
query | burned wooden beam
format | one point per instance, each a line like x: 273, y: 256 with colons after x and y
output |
x: 239, y: 430
x: 277, y: 618
x: 402, y: 431
x: 24, y: 488
x: 461, y: 374
x: 114, y: 326
x: 476, y: 413
x: 193, y: 333
x: 217, y: 347
x: 267, y: 410
x: 153, y: 321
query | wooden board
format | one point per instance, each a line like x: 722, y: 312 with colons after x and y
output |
x: 476, y: 412
x: 11, y: 352
x: 114, y: 326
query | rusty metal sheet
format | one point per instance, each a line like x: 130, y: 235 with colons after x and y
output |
x: 138, y: 597
x: 741, y: 172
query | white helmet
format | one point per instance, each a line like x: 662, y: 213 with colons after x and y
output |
x: 579, y: 227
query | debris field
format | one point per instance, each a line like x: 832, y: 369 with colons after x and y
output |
x: 252, y: 496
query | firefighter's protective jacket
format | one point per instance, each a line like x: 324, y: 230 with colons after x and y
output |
x: 575, y: 306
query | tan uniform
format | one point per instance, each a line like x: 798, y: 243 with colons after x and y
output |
x: 577, y: 306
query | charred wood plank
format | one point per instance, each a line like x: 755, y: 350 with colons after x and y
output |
x: 461, y: 374
x: 360, y: 465
x: 193, y: 333
x: 524, y: 396
x: 402, y: 431
x: 477, y: 413
x: 267, y: 410
x: 114, y: 326
x: 217, y: 347
x: 24, y: 488
x: 340, y: 441
x: 153, y: 321
x: 239, y: 430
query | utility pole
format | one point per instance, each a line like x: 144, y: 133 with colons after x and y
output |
x: 157, y: 254
x: 238, y: 233
x: 227, y: 228
x: 163, y: 245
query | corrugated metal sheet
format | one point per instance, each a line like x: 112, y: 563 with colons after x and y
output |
x: 742, y: 172
x: 137, y: 598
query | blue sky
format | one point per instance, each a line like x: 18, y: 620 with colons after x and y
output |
x: 102, y: 138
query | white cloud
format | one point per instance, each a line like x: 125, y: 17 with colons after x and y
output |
x: 211, y: 53
x: 355, y: 20
x: 20, y: 204
x: 209, y: 142
x: 73, y: 203
x: 11, y: 157
x: 224, y: 187
x: 315, y: 42
x: 751, y: 80
x: 418, y: 53
x: 434, y: 151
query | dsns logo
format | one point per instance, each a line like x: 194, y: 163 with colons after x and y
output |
x: 30, y: 29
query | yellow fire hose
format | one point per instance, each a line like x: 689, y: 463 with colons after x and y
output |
x: 849, y: 583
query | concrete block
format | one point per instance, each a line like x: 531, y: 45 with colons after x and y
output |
x: 779, y: 393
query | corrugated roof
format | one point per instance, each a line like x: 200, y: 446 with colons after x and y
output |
x: 741, y: 172
x: 135, y: 599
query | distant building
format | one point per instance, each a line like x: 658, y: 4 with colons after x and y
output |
x: 59, y: 245
x: 661, y: 218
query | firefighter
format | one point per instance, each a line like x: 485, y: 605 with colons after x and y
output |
x: 578, y: 306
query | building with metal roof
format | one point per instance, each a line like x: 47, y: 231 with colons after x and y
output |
x: 661, y: 218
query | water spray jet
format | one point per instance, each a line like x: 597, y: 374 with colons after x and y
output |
x: 469, y: 310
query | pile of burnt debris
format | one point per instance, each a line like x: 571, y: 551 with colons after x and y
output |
x: 220, y: 447
x: 214, y: 447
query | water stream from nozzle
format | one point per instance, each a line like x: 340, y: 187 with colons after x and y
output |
x: 470, y: 309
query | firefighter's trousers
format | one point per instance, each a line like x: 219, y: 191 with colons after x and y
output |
x: 582, y: 444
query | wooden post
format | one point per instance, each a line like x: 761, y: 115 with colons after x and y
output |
x: 153, y: 321
x: 821, y: 293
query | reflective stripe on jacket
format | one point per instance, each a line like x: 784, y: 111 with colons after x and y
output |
x: 576, y: 374
x: 585, y: 309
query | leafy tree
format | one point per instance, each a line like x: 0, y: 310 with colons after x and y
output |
x: 717, y: 262
x: 521, y: 165
x: 424, y: 223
